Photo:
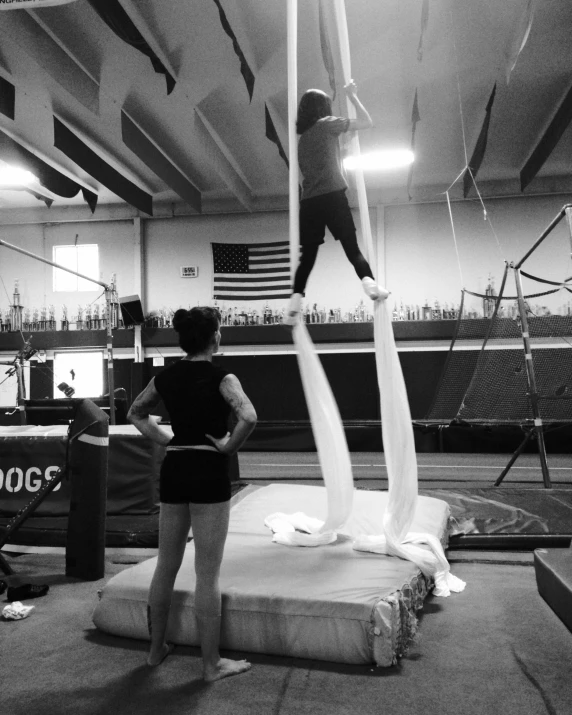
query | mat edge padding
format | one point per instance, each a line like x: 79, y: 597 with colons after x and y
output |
x: 389, y: 632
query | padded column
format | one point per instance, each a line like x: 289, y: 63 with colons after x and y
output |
x: 553, y: 569
x: 89, y: 446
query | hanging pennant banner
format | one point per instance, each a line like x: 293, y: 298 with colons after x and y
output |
x: 245, y: 70
x: 31, y: 4
x: 118, y: 20
x: 518, y: 37
x: 424, y: 23
x: 415, y: 117
x: 272, y: 134
x: 480, y: 147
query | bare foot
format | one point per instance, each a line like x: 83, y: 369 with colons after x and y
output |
x: 154, y: 660
x: 225, y: 668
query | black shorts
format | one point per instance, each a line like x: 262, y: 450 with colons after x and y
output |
x: 197, y: 476
x: 326, y: 211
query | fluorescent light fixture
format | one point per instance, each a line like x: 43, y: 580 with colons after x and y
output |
x: 10, y: 176
x: 380, y: 160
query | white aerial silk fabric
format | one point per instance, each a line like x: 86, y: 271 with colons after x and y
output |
x: 397, y: 428
x: 298, y: 529
x: 329, y: 436
x: 333, y: 455
x: 399, y: 447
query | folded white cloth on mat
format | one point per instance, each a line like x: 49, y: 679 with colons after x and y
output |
x: 432, y: 560
x: 298, y: 529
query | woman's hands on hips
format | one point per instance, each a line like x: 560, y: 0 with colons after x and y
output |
x: 220, y: 442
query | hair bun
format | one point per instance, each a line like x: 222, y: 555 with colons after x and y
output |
x: 181, y: 320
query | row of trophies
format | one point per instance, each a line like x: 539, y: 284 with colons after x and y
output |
x: 94, y: 315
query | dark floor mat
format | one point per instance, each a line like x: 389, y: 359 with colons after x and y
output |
x: 488, y: 518
x: 507, y: 510
x: 125, y: 530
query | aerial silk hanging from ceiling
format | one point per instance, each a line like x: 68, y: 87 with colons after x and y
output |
x: 327, y: 427
x: 422, y: 549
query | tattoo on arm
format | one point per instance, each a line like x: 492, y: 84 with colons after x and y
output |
x: 145, y: 401
x: 232, y: 392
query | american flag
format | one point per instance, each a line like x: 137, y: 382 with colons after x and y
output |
x: 251, y: 271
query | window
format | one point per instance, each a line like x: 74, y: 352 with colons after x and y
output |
x: 9, y: 385
x: 83, y: 259
x: 81, y: 370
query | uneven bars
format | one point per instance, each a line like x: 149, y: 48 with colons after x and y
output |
x: 544, y: 234
x: 108, y: 289
x: 51, y: 263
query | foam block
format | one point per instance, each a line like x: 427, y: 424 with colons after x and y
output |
x: 553, y: 569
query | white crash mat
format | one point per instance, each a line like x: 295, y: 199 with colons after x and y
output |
x: 326, y: 603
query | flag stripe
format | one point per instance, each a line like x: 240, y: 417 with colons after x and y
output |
x: 259, y: 296
x: 254, y: 256
x: 250, y: 289
x: 259, y: 246
x: 275, y: 249
x: 269, y: 270
x: 269, y: 261
x: 269, y: 279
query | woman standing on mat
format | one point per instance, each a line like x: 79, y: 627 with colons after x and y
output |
x: 195, y: 482
x: 324, y: 202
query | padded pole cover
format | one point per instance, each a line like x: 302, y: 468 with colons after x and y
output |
x: 89, y: 446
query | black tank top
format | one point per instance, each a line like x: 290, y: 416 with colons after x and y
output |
x: 190, y: 391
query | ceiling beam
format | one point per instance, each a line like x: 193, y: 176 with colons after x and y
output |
x: 36, y: 17
x: 137, y: 18
x: 22, y: 29
x: 548, y: 141
x: 144, y: 147
x: 48, y: 160
x: 104, y: 154
x: 139, y: 142
x: 222, y: 160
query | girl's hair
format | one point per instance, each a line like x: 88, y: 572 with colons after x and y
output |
x: 314, y: 105
x: 196, y: 328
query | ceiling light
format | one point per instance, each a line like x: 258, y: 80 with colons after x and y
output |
x: 14, y: 177
x: 380, y: 160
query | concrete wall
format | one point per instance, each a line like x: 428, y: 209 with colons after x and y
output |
x: 418, y: 253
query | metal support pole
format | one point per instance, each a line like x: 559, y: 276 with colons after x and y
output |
x: 50, y: 263
x: 555, y: 221
x: 531, y: 379
x: 568, y: 210
x: 110, y: 377
x: 21, y: 392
